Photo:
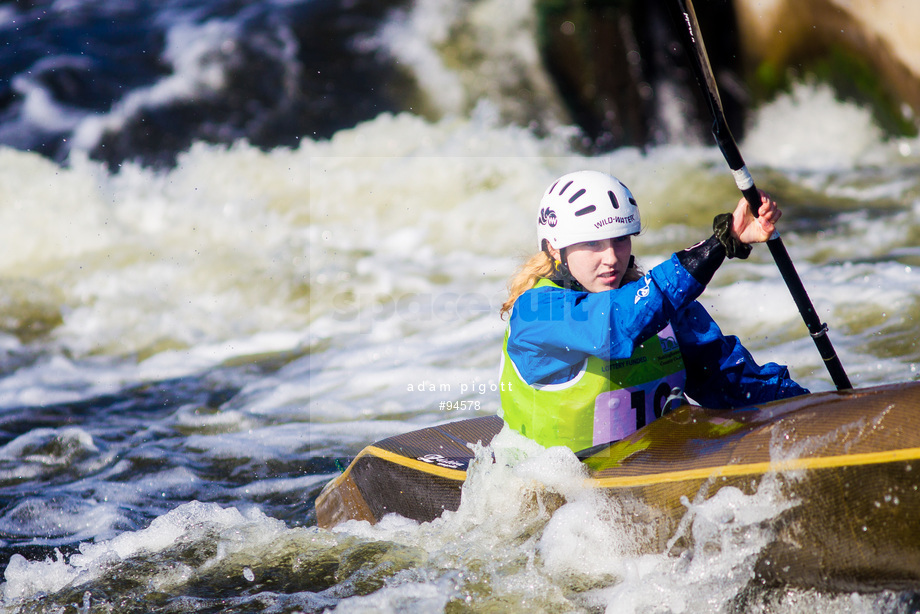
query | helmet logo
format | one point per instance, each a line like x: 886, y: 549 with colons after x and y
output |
x: 547, y: 217
x: 615, y: 219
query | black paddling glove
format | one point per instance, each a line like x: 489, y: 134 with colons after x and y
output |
x: 722, y: 227
x: 705, y: 257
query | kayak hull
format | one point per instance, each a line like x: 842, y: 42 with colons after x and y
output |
x: 848, y: 462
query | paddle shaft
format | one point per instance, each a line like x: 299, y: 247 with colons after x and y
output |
x: 688, y: 26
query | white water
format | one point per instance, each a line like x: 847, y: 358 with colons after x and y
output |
x: 378, y: 261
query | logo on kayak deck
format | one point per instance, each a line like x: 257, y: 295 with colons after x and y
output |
x: 441, y: 461
x: 547, y: 217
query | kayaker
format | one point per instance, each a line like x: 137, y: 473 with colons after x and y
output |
x: 595, y: 348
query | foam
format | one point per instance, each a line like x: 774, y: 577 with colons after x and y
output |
x: 193, y: 51
x: 24, y: 578
x: 376, y: 261
x: 809, y: 129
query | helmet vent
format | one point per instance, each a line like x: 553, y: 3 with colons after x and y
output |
x: 586, y: 210
x: 565, y: 187
x: 613, y: 199
x: 576, y: 195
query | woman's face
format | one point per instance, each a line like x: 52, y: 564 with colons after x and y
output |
x: 598, y: 265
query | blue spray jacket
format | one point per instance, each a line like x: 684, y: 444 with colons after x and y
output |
x: 552, y: 330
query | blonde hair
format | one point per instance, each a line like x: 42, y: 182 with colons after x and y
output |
x: 541, y: 265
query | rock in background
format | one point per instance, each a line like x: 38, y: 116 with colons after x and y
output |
x: 868, y: 49
x: 621, y: 70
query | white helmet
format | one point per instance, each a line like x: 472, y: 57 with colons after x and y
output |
x: 586, y: 206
